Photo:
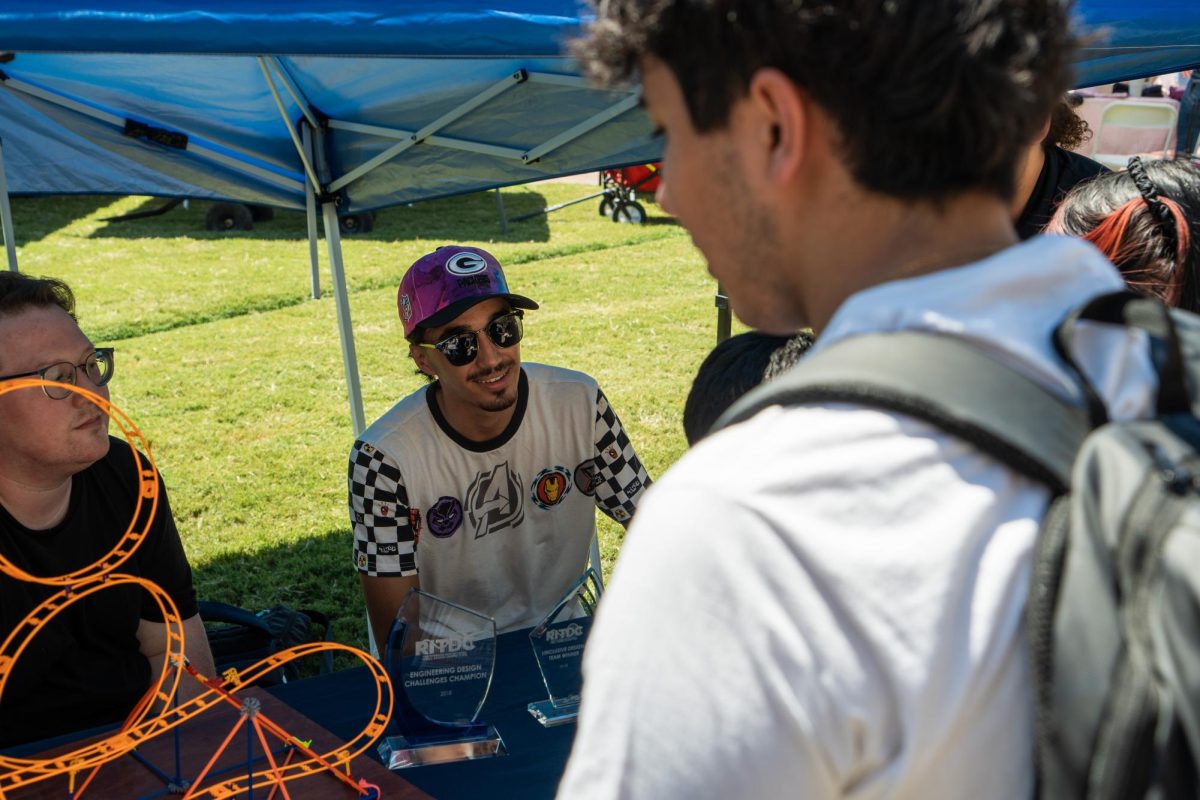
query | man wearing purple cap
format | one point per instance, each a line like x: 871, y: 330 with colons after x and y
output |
x: 494, y: 468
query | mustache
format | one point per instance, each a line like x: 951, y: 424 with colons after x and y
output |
x: 487, y: 373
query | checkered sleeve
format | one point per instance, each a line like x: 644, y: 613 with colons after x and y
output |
x: 383, y: 536
x: 620, y: 476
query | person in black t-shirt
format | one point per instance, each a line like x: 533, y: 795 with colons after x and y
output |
x: 1050, y: 169
x: 734, y: 367
x: 67, y: 494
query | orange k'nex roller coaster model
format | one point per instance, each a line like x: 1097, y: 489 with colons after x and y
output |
x: 159, y: 710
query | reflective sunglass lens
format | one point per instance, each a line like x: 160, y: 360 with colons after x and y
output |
x: 460, y: 350
x: 505, y: 331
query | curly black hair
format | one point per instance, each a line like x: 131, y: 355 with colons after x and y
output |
x: 931, y: 97
x: 1068, y: 130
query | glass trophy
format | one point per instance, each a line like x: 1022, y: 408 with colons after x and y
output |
x: 558, y: 642
x: 440, y: 657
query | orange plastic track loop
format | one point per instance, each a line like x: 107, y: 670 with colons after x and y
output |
x: 152, y: 716
x: 147, y: 492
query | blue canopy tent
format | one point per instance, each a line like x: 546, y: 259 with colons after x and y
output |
x: 352, y: 105
x: 347, y: 106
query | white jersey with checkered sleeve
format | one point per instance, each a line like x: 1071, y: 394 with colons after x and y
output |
x: 501, y: 527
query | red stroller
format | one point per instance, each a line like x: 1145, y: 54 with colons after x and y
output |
x: 620, y: 189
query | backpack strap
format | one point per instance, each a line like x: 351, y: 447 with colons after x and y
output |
x: 947, y: 382
x: 1148, y: 314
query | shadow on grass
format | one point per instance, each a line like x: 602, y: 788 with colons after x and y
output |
x: 472, y: 216
x: 314, y: 573
x: 35, y: 218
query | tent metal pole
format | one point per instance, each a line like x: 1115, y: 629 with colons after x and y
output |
x: 333, y: 240
x: 500, y: 208
x: 312, y: 176
x: 588, y: 125
x: 290, y: 84
x: 724, y: 317
x: 229, y: 156
x: 337, y: 273
x: 310, y: 211
x: 514, y: 153
x: 453, y: 115
x: 10, y: 244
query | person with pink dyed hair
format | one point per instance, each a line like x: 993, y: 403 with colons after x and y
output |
x: 1147, y: 221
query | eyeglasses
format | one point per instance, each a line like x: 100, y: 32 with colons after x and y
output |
x: 98, y: 366
x: 460, y: 349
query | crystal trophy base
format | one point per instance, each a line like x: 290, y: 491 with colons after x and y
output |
x: 457, y: 744
x: 550, y: 713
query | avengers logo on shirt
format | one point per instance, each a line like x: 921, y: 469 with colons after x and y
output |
x: 495, y: 500
x: 551, y: 486
x: 444, y: 517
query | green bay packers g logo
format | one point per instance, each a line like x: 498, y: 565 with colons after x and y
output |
x: 465, y: 264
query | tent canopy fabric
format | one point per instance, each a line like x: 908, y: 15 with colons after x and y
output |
x: 1137, y: 39
x: 204, y: 99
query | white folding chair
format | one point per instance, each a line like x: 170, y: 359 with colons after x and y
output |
x: 1131, y: 127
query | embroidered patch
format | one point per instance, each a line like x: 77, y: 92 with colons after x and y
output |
x: 586, y: 477
x: 444, y: 517
x: 405, y: 308
x: 414, y: 520
x: 465, y: 263
x: 551, y: 486
x: 620, y: 514
x: 362, y: 560
x: 612, y: 453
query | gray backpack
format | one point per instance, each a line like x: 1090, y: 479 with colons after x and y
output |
x: 1113, y: 613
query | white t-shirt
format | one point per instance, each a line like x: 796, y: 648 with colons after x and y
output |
x: 826, y: 600
x: 502, y: 527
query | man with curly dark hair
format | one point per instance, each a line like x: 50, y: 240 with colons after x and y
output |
x: 825, y: 600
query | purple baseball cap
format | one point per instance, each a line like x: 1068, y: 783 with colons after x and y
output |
x: 445, y: 283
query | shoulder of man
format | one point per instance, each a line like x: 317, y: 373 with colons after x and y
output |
x: 543, y: 377
x: 396, y: 417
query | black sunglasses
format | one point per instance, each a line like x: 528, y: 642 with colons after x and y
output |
x: 460, y: 349
x: 98, y: 366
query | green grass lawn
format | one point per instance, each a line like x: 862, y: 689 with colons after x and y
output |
x: 234, y: 373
